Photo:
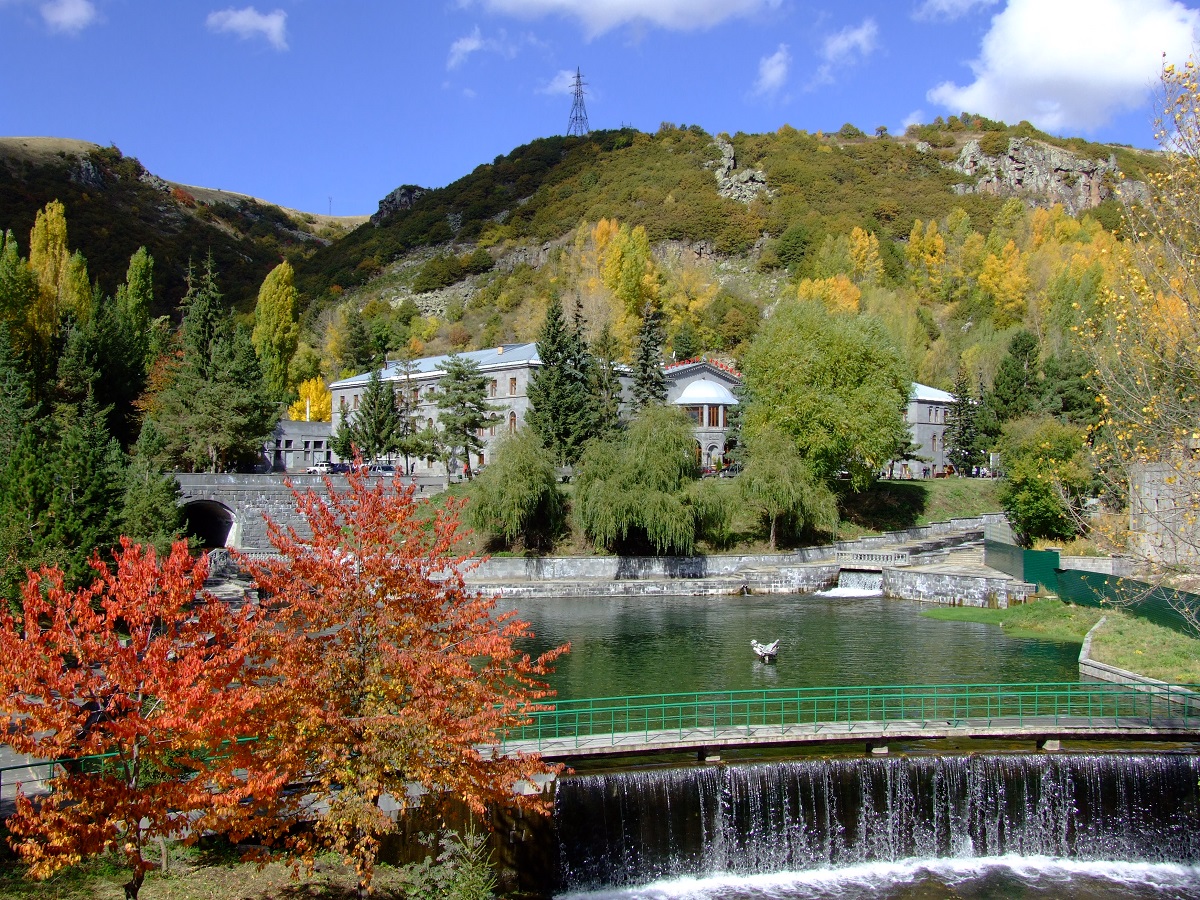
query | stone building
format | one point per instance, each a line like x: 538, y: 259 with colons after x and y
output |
x: 1164, y: 512
x: 926, y: 415
x: 703, y: 389
x: 294, y: 446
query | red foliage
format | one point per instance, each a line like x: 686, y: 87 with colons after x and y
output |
x: 144, y: 667
x: 385, y: 671
x: 182, y: 196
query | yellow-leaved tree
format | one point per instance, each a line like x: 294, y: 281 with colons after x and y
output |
x: 315, y: 403
x: 1145, y: 340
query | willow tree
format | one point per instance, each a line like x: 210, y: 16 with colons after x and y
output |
x: 780, y: 485
x: 517, y: 498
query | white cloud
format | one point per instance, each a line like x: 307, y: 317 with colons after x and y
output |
x: 461, y: 49
x: 1071, y: 63
x: 947, y: 10
x: 599, y: 16
x: 916, y: 117
x: 773, y: 71
x: 464, y: 47
x: 563, y: 82
x: 70, y: 16
x: 250, y: 23
x: 848, y: 46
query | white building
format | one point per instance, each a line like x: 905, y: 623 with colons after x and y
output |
x: 703, y: 388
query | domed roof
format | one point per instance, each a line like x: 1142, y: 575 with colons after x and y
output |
x: 706, y: 393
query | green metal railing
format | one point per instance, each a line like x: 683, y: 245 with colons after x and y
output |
x: 588, y: 722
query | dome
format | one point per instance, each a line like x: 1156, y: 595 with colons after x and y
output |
x: 706, y: 393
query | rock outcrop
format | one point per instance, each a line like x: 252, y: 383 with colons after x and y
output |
x: 402, y: 197
x: 742, y: 185
x: 1041, y: 174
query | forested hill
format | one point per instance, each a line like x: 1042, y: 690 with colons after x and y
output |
x: 114, y: 206
x: 680, y: 183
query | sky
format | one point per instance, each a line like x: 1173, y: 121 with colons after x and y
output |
x: 327, y: 105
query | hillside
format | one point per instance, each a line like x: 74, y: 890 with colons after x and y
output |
x: 666, y: 182
x: 115, y: 206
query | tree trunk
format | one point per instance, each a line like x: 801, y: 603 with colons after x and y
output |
x: 134, y: 884
x: 774, y: 519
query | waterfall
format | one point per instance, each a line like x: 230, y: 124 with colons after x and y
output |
x: 856, y: 583
x: 639, y: 826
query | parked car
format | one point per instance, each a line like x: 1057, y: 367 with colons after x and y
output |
x: 381, y: 469
x: 320, y: 468
x: 730, y: 471
x: 339, y: 468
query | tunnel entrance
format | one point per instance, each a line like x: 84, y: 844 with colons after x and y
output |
x: 209, y: 522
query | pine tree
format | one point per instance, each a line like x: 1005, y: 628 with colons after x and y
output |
x: 1015, y: 389
x: 463, y: 410
x: 25, y: 490
x: 373, y: 430
x: 560, y: 401
x: 87, y: 489
x: 605, y: 382
x: 276, y: 329
x: 214, y: 413
x: 649, y: 385
x: 962, y: 432
x: 150, y: 512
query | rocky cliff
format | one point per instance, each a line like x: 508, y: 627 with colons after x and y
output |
x: 1042, y: 174
x: 402, y: 197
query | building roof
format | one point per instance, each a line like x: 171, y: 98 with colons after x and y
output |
x: 678, y: 368
x: 706, y: 393
x: 927, y: 394
x: 505, y: 356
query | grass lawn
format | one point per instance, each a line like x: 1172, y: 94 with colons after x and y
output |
x: 198, y: 880
x: 893, y: 505
x: 1125, y: 641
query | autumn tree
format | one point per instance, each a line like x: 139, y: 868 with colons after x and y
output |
x: 1145, y: 339
x: 276, y: 328
x: 315, y: 403
x: 385, y: 672
x: 133, y: 667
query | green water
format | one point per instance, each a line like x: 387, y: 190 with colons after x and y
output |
x: 648, y: 645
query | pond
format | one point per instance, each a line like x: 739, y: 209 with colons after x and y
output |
x: 623, y: 646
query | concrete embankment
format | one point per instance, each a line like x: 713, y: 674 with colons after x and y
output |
x: 912, y: 551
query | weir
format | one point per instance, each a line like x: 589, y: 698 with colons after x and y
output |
x: 634, y: 827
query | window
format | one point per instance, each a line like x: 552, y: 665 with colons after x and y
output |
x: 356, y: 401
x: 512, y: 387
x: 512, y: 421
x: 492, y: 388
x: 307, y: 444
x: 714, y: 417
x: 479, y: 433
x: 480, y: 462
x: 287, y: 444
x: 696, y: 413
x: 416, y: 395
x: 429, y: 424
x: 318, y: 445
x: 492, y: 431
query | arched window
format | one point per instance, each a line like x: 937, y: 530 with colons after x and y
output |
x: 512, y: 422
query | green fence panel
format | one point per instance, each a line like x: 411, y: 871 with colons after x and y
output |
x: 1154, y: 604
x: 1040, y: 568
x: 1005, y: 558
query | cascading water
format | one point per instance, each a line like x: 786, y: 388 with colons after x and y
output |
x: 635, y: 827
x: 855, y: 583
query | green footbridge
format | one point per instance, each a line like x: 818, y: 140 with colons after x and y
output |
x: 707, y: 722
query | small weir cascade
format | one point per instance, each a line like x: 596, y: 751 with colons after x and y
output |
x: 631, y: 828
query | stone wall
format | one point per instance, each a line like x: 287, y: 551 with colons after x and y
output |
x: 953, y: 589
x: 1105, y: 565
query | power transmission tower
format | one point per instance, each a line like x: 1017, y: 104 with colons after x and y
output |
x: 578, y: 125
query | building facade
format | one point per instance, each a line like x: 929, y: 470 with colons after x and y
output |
x: 927, y: 412
x: 704, y: 390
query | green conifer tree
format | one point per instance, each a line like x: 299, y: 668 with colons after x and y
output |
x: 1015, y: 389
x: 276, y: 329
x: 605, y: 382
x: 463, y: 411
x: 962, y: 438
x: 135, y: 298
x: 150, y: 512
x: 373, y: 430
x: 561, y: 408
x: 649, y: 385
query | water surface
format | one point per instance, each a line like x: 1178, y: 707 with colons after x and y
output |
x: 623, y: 646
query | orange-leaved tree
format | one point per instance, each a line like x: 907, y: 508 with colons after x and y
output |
x: 143, y: 670
x: 383, y: 675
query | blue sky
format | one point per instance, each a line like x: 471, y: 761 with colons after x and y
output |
x: 298, y: 101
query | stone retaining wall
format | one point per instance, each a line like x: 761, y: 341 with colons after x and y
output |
x: 953, y: 589
x: 1105, y: 565
x: 1091, y: 668
x: 514, y: 568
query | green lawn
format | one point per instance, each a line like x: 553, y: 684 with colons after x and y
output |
x: 894, y: 505
x: 1125, y: 641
